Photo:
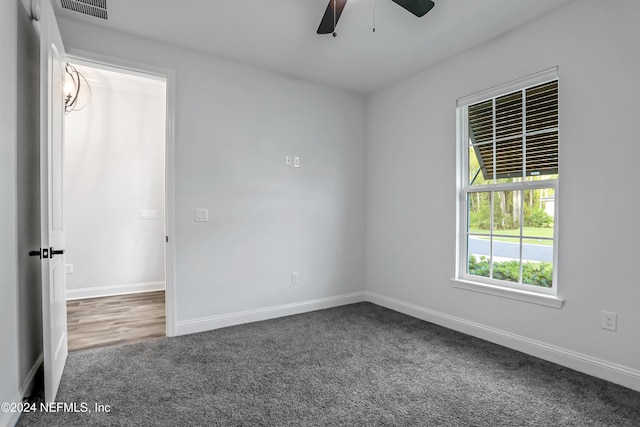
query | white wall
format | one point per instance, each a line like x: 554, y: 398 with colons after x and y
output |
x: 234, y: 125
x: 114, y: 168
x: 411, y: 199
x: 8, y: 244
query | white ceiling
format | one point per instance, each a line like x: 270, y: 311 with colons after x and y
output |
x: 280, y: 35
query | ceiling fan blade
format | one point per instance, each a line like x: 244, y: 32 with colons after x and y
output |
x: 327, y: 25
x: 417, y: 7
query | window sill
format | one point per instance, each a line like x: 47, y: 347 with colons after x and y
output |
x: 531, y: 297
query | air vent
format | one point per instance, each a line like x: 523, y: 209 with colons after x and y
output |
x: 96, y: 8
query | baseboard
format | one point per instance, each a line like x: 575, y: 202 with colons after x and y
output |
x: 27, y: 384
x: 105, y: 291
x: 222, y: 321
x: 580, y: 362
x: 9, y: 419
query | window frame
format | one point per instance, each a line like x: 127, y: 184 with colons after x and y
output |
x: 464, y: 280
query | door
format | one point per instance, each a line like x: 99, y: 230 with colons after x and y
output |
x: 54, y: 311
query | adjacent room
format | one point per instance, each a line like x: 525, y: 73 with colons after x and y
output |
x: 114, y: 206
x: 348, y: 212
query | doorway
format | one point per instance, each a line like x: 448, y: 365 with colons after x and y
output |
x: 114, y: 201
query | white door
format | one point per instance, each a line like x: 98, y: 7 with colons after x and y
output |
x: 54, y: 310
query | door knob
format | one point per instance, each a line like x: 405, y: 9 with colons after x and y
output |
x: 56, y: 252
x: 41, y: 253
x: 37, y: 253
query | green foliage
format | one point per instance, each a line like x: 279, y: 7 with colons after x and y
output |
x: 479, y: 268
x: 537, y: 218
x: 504, y: 217
x: 480, y: 219
x: 507, y: 270
x: 538, y: 273
x: 505, y: 220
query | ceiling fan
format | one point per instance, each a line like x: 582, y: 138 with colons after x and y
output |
x: 335, y: 7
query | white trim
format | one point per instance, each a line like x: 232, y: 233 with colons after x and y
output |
x: 511, y: 293
x: 105, y: 291
x: 110, y: 63
x: 131, y: 71
x: 10, y: 419
x: 231, y: 319
x: 603, y: 369
x: 170, y: 76
x: 524, y: 185
x: 27, y: 384
x: 169, y: 206
x: 462, y: 279
x: 514, y: 85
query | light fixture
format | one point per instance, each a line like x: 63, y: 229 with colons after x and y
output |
x: 334, y: 10
x: 74, y: 83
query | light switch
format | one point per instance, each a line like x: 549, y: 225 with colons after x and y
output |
x: 202, y: 215
x: 68, y: 268
x: 148, y: 214
x: 287, y: 160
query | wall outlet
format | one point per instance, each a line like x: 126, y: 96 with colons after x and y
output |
x: 295, y: 278
x: 609, y: 320
x: 296, y: 162
x: 202, y: 215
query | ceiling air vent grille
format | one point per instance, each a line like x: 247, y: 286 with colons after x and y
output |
x: 96, y: 8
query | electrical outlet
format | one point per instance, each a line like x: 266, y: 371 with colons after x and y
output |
x: 609, y: 320
x: 295, y: 278
x: 202, y: 215
x: 296, y: 162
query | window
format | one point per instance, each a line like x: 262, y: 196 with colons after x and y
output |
x: 508, y: 172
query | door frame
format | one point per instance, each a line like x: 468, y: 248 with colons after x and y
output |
x: 104, y: 61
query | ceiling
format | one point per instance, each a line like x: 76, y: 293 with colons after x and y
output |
x: 280, y: 35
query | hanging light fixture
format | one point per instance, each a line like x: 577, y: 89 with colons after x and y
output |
x: 373, y: 8
x: 335, y: 20
x: 74, y: 83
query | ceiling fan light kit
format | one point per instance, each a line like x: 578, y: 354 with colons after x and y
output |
x: 334, y: 10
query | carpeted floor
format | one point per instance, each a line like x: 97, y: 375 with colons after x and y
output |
x: 355, y: 365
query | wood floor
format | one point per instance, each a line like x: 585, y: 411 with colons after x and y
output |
x: 120, y: 319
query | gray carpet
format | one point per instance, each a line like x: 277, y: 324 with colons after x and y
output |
x: 355, y: 365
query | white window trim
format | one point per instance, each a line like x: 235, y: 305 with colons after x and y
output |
x: 512, y: 86
x: 462, y: 280
x: 516, y: 294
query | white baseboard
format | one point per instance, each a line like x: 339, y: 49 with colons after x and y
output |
x: 9, y: 419
x: 222, y: 321
x: 580, y: 362
x: 27, y: 384
x: 105, y: 291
